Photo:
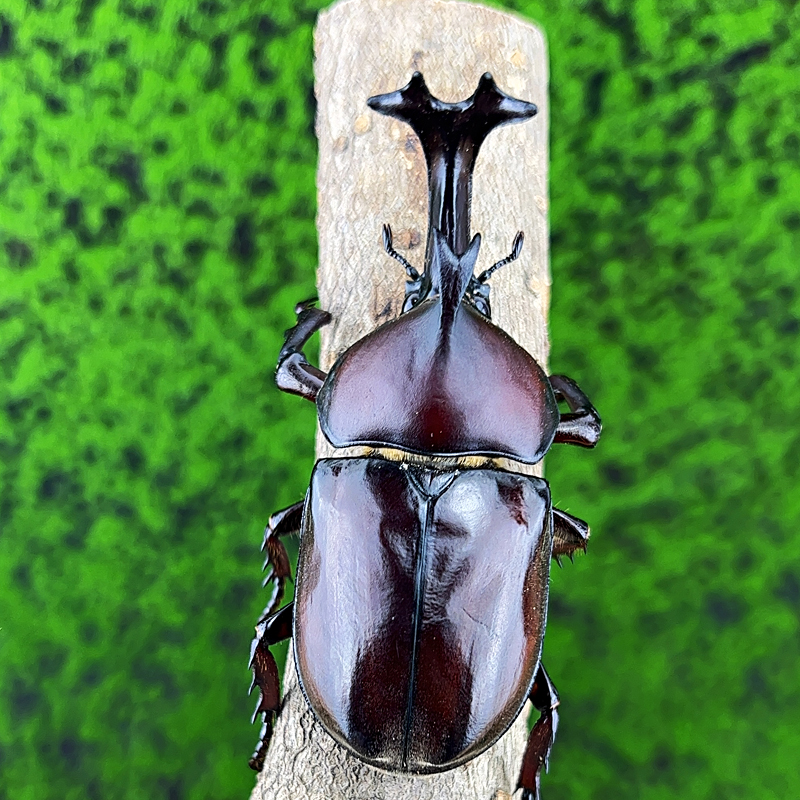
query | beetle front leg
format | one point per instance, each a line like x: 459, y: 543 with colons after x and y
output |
x: 275, y: 629
x: 281, y: 523
x: 569, y: 534
x: 582, y: 426
x: 295, y: 375
x: 537, y: 754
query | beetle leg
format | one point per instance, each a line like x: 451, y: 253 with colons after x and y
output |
x: 281, y: 523
x: 582, y: 425
x: 275, y: 629
x: 537, y: 754
x: 295, y: 375
x: 569, y: 534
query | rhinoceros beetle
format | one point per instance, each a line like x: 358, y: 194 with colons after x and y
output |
x: 423, y: 655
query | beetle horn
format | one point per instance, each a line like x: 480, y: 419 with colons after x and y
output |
x: 451, y: 135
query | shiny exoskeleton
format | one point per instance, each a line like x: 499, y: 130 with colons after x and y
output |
x: 421, y: 653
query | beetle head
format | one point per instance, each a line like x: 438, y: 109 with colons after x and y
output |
x: 456, y: 270
x: 446, y: 279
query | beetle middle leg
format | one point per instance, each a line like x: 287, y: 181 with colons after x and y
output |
x: 545, y: 700
x: 270, y: 631
x: 569, y: 534
x: 295, y: 375
x: 281, y: 523
x: 582, y: 426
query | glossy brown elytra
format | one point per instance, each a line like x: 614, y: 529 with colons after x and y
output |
x: 422, y: 582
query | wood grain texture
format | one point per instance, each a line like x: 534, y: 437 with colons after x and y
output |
x: 372, y: 170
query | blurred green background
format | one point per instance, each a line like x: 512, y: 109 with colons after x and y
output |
x: 156, y: 226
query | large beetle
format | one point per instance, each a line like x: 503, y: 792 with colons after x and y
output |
x: 426, y: 653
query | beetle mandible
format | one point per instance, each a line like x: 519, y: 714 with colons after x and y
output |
x: 424, y: 657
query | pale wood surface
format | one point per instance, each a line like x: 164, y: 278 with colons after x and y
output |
x: 371, y: 171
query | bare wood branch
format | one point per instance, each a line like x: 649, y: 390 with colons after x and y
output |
x: 371, y: 171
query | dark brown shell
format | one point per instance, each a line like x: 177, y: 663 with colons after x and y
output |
x: 410, y: 385
x: 420, y: 607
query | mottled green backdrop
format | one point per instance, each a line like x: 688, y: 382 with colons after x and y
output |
x: 156, y: 225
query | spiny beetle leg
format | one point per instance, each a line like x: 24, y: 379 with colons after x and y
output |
x: 569, y: 534
x: 582, y: 426
x: 281, y: 523
x: 265, y: 675
x: 295, y: 375
x: 537, y: 754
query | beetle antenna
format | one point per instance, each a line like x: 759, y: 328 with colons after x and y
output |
x: 516, y: 249
x: 387, y: 246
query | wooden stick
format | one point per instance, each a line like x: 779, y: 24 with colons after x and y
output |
x: 372, y: 170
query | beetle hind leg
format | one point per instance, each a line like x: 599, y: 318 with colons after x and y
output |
x: 281, y: 523
x: 537, y: 754
x: 275, y: 629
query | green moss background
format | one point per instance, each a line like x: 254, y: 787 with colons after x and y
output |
x: 156, y: 226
